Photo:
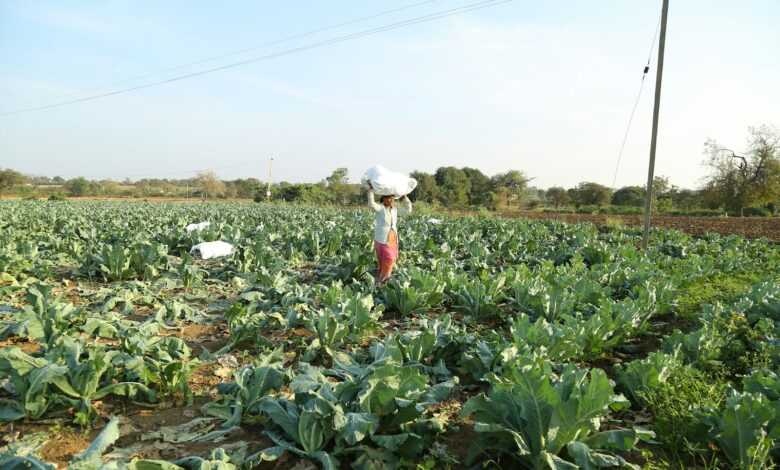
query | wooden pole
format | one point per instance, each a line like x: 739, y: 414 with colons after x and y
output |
x: 654, y: 138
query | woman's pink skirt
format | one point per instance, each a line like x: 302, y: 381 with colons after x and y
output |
x: 387, y: 253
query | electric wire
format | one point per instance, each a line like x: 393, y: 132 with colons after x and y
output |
x: 253, y: 48
x: 636, y: 104
x: 338, y: 39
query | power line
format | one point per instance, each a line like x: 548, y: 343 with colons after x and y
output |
x: 636, y: 103
x: 339, y: 39
x: 257, y: 47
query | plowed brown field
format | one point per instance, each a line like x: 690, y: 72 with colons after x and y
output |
x: 750, y: 227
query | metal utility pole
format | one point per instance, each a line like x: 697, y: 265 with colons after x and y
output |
x: 654, y: 138
x: 268, y: 187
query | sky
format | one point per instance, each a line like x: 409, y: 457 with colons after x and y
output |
x: 542, y: 87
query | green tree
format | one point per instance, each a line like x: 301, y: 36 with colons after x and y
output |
x: 591, y: 194
x: 633, y: 196
x: 151, y: 187
x: 338, y: 185
x: 686, y: 198
x: 304, y: 193
x: 557, y: 196
x: 209, y: 184
x: 427, y: 190
x: 338, y: 177
x: 510, y: 186
x: 248, y: 187
x: 454, y: 186
x: 480, y: 187
x: 661, y: 186
x: 740, y: 181
x: 10, y: 178
x: 79, y: 186
x: 39, y: 180
x: 108, y: 187
x: 533, y: 197
x: 287, y: 192
x: 662, y: 194
x: 316, y: 194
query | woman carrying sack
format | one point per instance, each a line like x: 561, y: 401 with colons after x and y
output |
x: 386, y: 231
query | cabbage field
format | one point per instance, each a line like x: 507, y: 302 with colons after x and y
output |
x: 499, y: 343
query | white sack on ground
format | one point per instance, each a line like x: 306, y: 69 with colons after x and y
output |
x: 208, y: 250
x: 200, y: 226
x: 387, y: 183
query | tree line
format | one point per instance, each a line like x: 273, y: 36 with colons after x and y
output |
x: 738, y: 184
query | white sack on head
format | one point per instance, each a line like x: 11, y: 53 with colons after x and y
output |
x: 200, y: 226
x: 389, y: 183
x: 434, y: 221
x: 208, y: 250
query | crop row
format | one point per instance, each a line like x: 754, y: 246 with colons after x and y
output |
x: 532, y: 335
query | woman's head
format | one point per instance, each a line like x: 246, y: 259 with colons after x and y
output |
x: 388, y: 201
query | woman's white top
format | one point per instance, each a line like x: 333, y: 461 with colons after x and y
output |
x: 386, y: 218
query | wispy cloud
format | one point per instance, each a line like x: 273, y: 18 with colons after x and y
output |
x: 77, y: 21
x: 288, y: 89
x: 94, y: 20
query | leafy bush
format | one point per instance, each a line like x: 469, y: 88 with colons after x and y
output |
x: 62, y: 378
x: 647, y: 374
x: 741, y: 429
x: 623, y: 210
x: 578, y: 337
x: 712, y: 289
x: 419, y: 291
x: 696, y: 212
x: 46, y: 318
x: 539, y: 420
x: 676, y: 401
x: 373, y: 413
x: 479, y: 297
x: 241, y: 398
x: 535, y: 297
x: 348, y: 321
x: 587, y: 209
x: 727, y: 343
x: 757, y: 212
x: 765, y: 382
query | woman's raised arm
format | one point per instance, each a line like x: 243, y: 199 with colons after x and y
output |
x: 371, y: 202
x: 406, y: 208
